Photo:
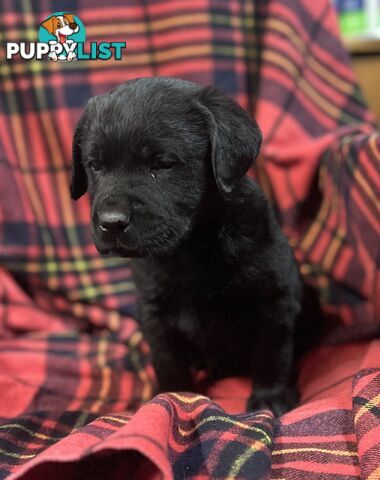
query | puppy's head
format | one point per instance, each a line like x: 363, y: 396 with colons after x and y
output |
x: 61, y: 25
x: 154, y: 154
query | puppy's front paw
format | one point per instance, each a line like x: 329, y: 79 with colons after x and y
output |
x: 279, y: 399
x: 53, y: 56
x: 71, y: 56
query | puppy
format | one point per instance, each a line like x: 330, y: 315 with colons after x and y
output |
x: 61, y: 26
x: 164, y: 161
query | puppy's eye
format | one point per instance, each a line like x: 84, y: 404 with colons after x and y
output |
x: 166, y: 164
x: 95, y: 166
x: 160, y: 164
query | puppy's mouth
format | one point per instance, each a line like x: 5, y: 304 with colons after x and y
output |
x: 62, y: 37
x: 148, y: 250
x: 117, y: 247
x: 122, y: 251
x: 133, y: 246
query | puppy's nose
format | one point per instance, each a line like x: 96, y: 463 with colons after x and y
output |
x: 113, y: 222
x: 73, y: 26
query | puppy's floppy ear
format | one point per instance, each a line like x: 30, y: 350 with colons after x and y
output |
x: 235, y: 138
x: 50, y: 24
x: 69, y: 17
x: 78, y: 186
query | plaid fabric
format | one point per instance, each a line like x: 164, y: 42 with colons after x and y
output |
x: 74, y: 364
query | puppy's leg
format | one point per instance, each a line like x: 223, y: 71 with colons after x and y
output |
x: 273, y: 358
x: 168, y: 352
x: 171, y: 367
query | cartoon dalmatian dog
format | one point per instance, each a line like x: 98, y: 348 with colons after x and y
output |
x: 61, y: 26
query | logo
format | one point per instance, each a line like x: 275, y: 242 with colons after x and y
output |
x: 62, y: 32
x: 61, y: 37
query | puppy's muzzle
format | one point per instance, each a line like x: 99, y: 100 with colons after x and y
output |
x: 113, y: 223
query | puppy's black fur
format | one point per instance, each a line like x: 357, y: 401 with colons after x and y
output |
x: 164, y: 161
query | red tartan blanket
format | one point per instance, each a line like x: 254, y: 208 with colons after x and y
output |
x: 76, y: 383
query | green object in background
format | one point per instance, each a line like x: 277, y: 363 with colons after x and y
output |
x: 353, y: 23
x: 359, y: 17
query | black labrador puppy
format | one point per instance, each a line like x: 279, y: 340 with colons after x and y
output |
x: 164, y: 161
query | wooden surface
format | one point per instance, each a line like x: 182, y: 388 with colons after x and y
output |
x: 367, y: 69
x: 362, y: 45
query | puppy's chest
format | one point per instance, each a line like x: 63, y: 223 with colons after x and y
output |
x: 212, y: 326
x: 187, y: 281
x: 203, y: 303
x: 192, y: 317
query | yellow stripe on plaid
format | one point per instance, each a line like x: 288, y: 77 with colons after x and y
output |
x: 321, y: 102
x: 106, y: 374
x: 187, y: 400
x: 373, y: 403
x: 18, y: 455
x: 146, y: 392
x: 341, y: 453
x: 94, y: 291
x: 81, y: 420
x: 122, y: 421
x: 372, y: 196
x: 216, y: 418
x: 328, y: 75
x: 243, y: 458
x: 67, y: 266
x: 41, y: 436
